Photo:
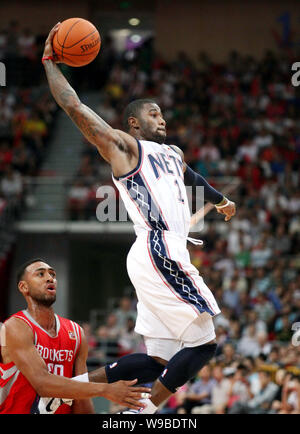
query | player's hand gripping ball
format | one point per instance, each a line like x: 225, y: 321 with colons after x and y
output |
x: 76, y: 42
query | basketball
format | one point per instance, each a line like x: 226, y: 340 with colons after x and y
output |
x: 77, y: 42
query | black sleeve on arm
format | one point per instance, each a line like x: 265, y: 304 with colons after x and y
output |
x: 193, y: 179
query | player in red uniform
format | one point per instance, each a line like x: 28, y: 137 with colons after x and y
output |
x: 40, y: 352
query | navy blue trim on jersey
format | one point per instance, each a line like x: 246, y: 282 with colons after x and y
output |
x: 141, y: 195
x: 174, y: 275
x: 118, y: 178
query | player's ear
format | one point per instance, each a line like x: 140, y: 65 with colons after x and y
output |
x: 22, y: 286
x: 133, y: 123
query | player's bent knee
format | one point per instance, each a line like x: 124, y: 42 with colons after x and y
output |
x: 160, y: 360
x: 140, y: 366
x: 185, y: 365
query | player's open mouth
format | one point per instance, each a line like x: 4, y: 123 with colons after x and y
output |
x: 51, y: 289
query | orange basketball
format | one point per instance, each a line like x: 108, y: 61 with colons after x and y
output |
x: 77, y: 42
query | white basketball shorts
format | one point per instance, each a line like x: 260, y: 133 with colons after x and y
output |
x: 171, y: 293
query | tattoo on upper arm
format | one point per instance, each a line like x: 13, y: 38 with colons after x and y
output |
x: 95, y: 129
x: 119, y: 144
x: 67, y: 96
x: 86, y: 125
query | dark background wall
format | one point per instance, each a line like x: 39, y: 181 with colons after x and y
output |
x: 97, y: 273
x: 40, y: 16
x: 215, y: 26
x: 218, y: 26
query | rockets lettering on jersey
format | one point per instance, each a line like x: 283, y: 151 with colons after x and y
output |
x: 154, y: 193
x: 55, y: 355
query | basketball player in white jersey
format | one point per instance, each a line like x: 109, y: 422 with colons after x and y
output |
x: 175, y: 307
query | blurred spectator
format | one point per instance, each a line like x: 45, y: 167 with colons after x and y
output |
x: 111, y: 323
x: 78, y: 197
x: 199, y: 393
x: 228, y: 356
x: 107, y: 348
x: 248, y: 344
x: 253, y: 319
x: 124, y: 312
x: 263, y: 139
x: 260, y: 254
x: 11, y: 184
x: 290, y: 403
x: 239, y: 389
x: 231, y: 297
x: 283, y: 329
x: 107, y: 112
x: 128, y: 340
x: 280, y: 376
x: 175, y: 402
x: 219, y: 395
x: 264, y: 346
x: 91, y: 339
x: 26, y: 43
x: 261, y: 402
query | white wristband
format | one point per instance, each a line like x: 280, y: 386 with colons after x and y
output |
x: 84, y: 378
x: 224, y: 205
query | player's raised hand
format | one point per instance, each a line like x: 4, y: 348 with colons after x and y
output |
x: 228, y: 209
x: 123, y: 393
x: 48, y: 50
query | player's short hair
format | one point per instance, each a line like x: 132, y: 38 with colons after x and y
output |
x: 22, y: 268
x: 133, y: 109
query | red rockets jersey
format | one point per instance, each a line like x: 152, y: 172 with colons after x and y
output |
x: 17, y: 396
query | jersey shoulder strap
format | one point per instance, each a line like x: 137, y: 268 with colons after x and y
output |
x: 20, y: 315
x: 178, y: 151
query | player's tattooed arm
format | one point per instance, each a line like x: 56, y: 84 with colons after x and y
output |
x: 117, y: 148
x: 95, y: 129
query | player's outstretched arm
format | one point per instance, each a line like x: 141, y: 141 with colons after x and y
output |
x: 116, y: 147
x: 21, y: 350
x: 222, y: 204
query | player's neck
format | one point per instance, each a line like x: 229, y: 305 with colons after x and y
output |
x: 137, y: 135
x: 44, y: 316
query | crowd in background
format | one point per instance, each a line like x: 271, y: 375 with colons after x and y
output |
x: 238, y: 120
x: 27, y: 116
x: 27, y: 112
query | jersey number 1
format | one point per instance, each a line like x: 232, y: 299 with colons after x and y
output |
x: 180, y: 198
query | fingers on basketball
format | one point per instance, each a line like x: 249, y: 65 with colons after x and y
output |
x: 53, y: 31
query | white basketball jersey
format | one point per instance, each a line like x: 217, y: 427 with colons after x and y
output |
x: 154, y: 193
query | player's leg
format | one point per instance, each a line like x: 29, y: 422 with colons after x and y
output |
x: 182, y: 367
x: 185, y: 364
x: 141, y: 366
x: 145, y: 367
